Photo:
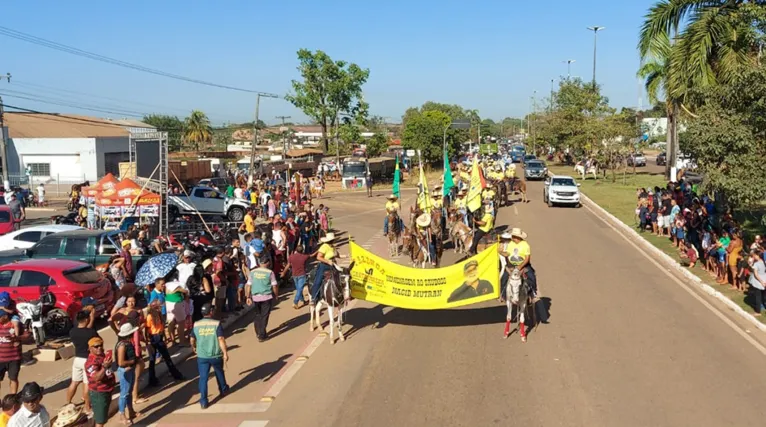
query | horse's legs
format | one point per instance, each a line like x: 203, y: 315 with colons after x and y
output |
x: 318, y: 315
x: 332, y: 322
x: 312, y: 307
x: 340, y: 323
x: 522, y: 319
x: 509, y: 314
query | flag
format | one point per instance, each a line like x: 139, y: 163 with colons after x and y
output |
x: 473, y: 200
x: 395, y: 188
x: 424, y: 199
x: 448, y: 182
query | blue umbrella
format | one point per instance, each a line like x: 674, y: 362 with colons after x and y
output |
x: 155, y: 268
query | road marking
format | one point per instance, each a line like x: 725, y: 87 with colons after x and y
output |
x: 688, y: 289
x: 222, y: 408
x: 253, y: 424
x: 515, y: 209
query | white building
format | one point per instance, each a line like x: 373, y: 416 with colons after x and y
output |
x: 658, y: 126
x: 65, y: 148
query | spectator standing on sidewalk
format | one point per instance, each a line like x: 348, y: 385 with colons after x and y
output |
x: 126, y: 364
x: 209, y: 345
x: 296, y: 263
x: 31, y: 413
x: 81, y: 336
x: 10, y: 347
x: 262, y: 289
x: 100, y: 380
x: 17, y: 210
x: 757, y: 280
x: 155, y: 335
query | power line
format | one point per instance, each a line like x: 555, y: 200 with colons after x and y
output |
x: 63, y: 103
x: 97, y: 57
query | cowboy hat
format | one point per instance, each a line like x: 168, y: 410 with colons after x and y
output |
x: 506, y: 236
x: 516, y: 232
x: 206, y: 263
x: 127, y: 329
x: 67, y: 415
x: 329, y: 237
x: 393, y: 196
x: 424, y: 220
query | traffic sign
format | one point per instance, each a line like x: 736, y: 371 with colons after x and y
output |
x: 488, y: 148
x: 410, y: 153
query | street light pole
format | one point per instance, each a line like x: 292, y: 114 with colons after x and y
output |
x: 595, y: 30
x: 255, y: 135
x: 3, y: 145
x: 569, y: 66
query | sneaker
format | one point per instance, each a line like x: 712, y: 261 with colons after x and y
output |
x: 203, y: 405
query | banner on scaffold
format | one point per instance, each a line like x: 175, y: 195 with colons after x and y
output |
x: 376, y: 279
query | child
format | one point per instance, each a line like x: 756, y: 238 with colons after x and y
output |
x: 11, y: 404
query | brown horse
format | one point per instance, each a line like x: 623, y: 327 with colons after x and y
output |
x: 460, y: 235
x: 394, y: 234
x: 519, y: 186
x: 418, y: 255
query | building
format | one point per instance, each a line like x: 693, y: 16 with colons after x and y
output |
x: 658, y: 127
x: 66, y: 148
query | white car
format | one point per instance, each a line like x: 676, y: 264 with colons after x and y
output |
x: 561, y: 189
x: 27, y: 237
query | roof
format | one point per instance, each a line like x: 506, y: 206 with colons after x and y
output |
x: 304, y: 152
x: 45, y: 264
x: 84, y: 233
x: 131, y: 123
x: 58, y: 228
x: 44, y: 125
x: 562, y: 176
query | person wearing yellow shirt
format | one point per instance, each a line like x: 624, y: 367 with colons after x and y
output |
x: 248, y: 223
x: 392, y: 207
x: 460, y: 206
x: 485, y: 226
x: 518, y: 254
x: 510, y: 172
x: 326, y: 255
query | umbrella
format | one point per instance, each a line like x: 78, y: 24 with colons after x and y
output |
x: 155, y: 268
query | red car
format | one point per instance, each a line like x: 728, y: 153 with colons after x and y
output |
x: 6, y: 220
x: 69, y: 281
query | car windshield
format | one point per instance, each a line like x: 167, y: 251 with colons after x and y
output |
x: 5, y: 216
x: 534, y: 165
x: 562, y: 182
x: 85, y: 274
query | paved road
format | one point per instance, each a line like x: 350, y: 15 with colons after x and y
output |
x: 626, y: 345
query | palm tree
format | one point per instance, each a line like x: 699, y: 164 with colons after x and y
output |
x: 197, y: 129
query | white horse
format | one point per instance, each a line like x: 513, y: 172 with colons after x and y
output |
x: 335, y: 293
x: 461, y: 237
x: 517, y: 294
x: 580, y: 169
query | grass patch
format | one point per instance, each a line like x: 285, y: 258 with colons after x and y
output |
x: 619, y: 199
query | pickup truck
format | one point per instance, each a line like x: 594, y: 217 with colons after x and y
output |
x: 94, y: 247
x: 206, y: 201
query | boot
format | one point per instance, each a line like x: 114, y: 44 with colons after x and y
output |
x: 523, y: 331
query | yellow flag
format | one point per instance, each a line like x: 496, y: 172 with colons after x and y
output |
x: 424, y: 199
x: 473, y: 200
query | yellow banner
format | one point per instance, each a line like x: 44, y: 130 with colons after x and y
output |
x: 473, y: 199
x: 424, y: 198
x: 376, y: 279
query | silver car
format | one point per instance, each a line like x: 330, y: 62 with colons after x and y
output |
x: 535, y: 169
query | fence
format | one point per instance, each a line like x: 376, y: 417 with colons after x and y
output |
x: 56, y: 187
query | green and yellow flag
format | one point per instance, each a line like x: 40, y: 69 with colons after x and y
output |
x: 424, y: 199
x: 448, y: 182
x: 397, y: 178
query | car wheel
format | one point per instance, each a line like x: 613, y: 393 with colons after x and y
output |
x: 236, y: 214
x: 57, y: 323
x: 550, y: 203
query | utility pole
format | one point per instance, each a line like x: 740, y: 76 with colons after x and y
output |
x: 569, y: 66
x: 595, y: 30
x: 284, y: 135
x: 550, y: 103
x: 3, y: 142
x: 255, y: 135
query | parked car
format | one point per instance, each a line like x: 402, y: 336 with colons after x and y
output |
x: 93, y: 247
x: 636, y: 159
x: 6, y: 220
x: 206, y: 201
x: 662, y: 159
x: 535, y: 169
x: 27, y: 237
x: 69, y: 281
x: 560, y: 189
x: 528, y: 157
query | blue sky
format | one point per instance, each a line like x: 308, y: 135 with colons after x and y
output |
x: 485, y: 55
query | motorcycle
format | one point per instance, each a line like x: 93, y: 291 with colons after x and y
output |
x: 69, y: 219
x: 32, y: 314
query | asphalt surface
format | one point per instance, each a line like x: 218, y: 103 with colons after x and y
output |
x: 625, y: 345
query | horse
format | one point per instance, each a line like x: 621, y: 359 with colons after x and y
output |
x: 460, y: 235
x: 419, y: 254
x: 502, y: 193
x: 518, y: 294
x: 592, y: 170
x: 335, y: 292
x: 518, y: 185
x: 394, y: 233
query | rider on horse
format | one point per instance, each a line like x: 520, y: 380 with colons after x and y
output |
x: 392, y: 209
x: 518, y: 253
x: 460, y: 207
x: 425, y: 237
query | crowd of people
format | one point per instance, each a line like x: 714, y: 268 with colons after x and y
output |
x: 705, y: 232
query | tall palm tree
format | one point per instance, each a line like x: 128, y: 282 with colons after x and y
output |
x: 197, y: 129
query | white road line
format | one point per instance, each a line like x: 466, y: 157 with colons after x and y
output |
x: 253, y: 424
x: 515, y: 210
x: 688, y: 289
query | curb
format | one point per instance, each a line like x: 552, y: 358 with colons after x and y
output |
x: 161, y: 369
x: 669, y: 262
x: 42, y: 209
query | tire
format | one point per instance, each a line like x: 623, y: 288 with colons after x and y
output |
x: 40, y: 337
x: 236, y: 214
x: 578, y: 206
x: 550, y: 203
x: 57, y: 323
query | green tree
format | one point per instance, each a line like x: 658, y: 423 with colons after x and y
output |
x: 377, y: 144
x: 425, y: 132
x: 329, y: 88
x: 727, y: 140
x: 170, y: 124
x: 198, y: 133
x: 455, y: 137
x: 575, y: 121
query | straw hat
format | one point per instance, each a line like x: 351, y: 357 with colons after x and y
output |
x: 127, y: 329
x: 68, y: 415
x: 424, y: 220
x: 206, y: 263
x: 392, y: 197
x: 516, y: 232
x: 329, y: 237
